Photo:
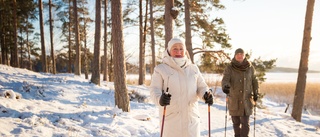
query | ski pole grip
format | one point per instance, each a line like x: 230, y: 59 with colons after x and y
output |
x: 167, y: 91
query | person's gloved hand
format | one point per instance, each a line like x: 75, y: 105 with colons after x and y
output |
x: 255, y: 97
x: 226, y: 89
x: 165, y: 99
x: 208, y: 98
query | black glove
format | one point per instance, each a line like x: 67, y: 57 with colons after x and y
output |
x: 226, y: 89
x: 255, y: 97
x: 208, y: 98
x: 165, y: 99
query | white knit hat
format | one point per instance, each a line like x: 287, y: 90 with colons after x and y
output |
x: 175, y: 41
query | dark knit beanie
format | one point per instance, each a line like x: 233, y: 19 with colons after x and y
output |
x: 239, y: 50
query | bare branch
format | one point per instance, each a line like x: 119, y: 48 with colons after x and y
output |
x: 220, y: 53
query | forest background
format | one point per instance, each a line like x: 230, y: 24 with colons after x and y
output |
x: 74, y: 49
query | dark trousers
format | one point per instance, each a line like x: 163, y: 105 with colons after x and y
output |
x: 241, y: 126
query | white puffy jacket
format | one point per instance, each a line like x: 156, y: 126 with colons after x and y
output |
x: 186, y: 85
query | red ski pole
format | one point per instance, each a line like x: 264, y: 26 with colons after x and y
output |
x: 163, y: 116
x: 209, y: 120
x: 254, y: 121
x: 225, y: 119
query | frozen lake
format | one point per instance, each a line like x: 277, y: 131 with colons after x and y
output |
x: 291, y: 77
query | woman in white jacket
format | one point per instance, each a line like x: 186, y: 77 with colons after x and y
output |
x: 185, y: 86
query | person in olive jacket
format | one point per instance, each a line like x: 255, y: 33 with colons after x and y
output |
x: 240, y: 84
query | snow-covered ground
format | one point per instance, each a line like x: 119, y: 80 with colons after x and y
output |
x: 65, y: 105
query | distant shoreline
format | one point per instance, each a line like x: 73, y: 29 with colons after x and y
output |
x: 288, y: 70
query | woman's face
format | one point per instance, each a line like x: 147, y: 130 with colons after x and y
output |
x: 239, y: 57
x: 177, y: 51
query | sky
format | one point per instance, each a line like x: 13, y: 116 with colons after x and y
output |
x: 65, y: 105
x: 272, y: 29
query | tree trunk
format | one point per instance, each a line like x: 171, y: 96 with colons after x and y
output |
x: 43, y: 47
x: 105, y: 49
x: 29, y: 52
x: 303, y: 68
x: 4, y: 59
x: 53, y: 60
x: 28, y: 47
x: 77, y: 65
x: 21, y: 50
x: 188, y: 41
x: 86, y: 68
x: 69, y: 41
x: 4, y: 49
x: 95, y: 78
x: 142, y: 48
x: 144, y: 43
x: 4, y: 45
x: 111, y: 65
x: 153, y: 52
x: 168, y: 21
x: 121, y: 93
x: 1, y: 32
x: 15, y: 60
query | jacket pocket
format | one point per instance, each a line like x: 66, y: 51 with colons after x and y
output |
x: 195, y: 118
x: 233, y: 104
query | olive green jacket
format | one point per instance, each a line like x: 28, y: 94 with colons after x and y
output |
x: 243, y: 85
